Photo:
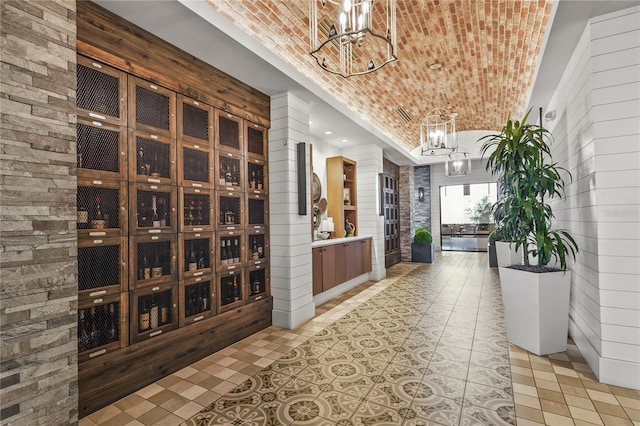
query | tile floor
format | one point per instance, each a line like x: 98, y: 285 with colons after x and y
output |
x: 424, y: 346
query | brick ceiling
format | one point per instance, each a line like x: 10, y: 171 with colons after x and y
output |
x: 488, y: 51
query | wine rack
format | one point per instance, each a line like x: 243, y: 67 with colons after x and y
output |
x: 257, y: 281
x: 257, y: 211
x: 102, y: 325
x: 197, y: 299
x: 101, y: 266
x: 194, y: 163
x: 230, y: 250
x: 256, y: 176
x: 101, y: 92
x: 195, y: 121
x: 228, y: 132
x: 230, y: 211
x: 228, y: 175
x: 256, y: 141
x: 231, y: 289
x: 154, y: 158
x: 172, y: 219
x: 257, y: 247
x: 152, y: 108
x: 197, y: 257
x: 101, y: 208
x: 154, y: 311
x: 101, y: 150
x: 154, y: 211
x: 154, y: 260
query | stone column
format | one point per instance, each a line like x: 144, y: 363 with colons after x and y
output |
x: 38, y: 267
x: 406, y: 201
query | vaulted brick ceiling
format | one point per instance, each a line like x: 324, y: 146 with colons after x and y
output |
x: 488, y: 51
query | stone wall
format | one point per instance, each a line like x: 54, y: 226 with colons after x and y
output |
x: 406, y: 211
x: 422, y: 210
x: 38, y: 272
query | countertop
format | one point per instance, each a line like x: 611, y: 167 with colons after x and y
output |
x: 331, y: 241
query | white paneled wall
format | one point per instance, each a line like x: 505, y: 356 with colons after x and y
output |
x: 291, y: 266
x: 597, y: 134
x: 369, y: 161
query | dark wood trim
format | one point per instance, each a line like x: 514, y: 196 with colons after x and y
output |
x: 136, y: 366
x: 111, y: 39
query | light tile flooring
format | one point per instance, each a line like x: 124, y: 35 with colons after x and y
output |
x: 424, y: 346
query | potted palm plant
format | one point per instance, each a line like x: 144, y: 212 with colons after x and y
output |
x: 422, y: 248
x: 535, y: 293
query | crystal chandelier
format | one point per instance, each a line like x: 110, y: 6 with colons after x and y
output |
x: 458, y: 164
x: 353, y: 37
x: 438, y: 133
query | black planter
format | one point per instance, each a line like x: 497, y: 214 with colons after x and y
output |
x: 423, y: 253
x: 493, y: 257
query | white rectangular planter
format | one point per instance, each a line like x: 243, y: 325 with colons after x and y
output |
x: 507, y: 254
x: 536, y: 309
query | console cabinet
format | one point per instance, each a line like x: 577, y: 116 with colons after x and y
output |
x: 339, y: 261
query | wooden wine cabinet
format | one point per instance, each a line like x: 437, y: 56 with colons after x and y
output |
x: 102, y: 325
x: 154, y: 311
x: 197, y: 299
x: 175, y: 155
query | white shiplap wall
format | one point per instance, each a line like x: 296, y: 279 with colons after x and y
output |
x: 291, y: 265
x: 369, y: 161
x: 597, y: 138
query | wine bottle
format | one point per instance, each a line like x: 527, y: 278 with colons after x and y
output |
x: 259, y: 179
x: 235, y: 175
x: 97, y: 222
x: 154, y: 313
x: 155, y: 219
x: 228, y: 176
x: 143, y: 219
x: 199, y: 217
x: 142, y: 168
x: 164, y: 219
x: 236, y: 289
x: 113, y: 323
x: 260, y: 249
x: 93, y: 331
x: 236, y: 251
x: 193, y: 264
x: 221, y: 180
x: 83, y: 332
x: 205, y: 297
x: 252, y: 182
x: 189, y: 220
x: 155, y: 166
x: 156, y: 271
x: 201, y: 260
x: 143, y: 317
x: 83, y: 213
x: 223, y: 253
x: 254, y: 249
x: 146, y: 269
x: 229, y: 252
x: 164, y: 311
x: 256, y: 286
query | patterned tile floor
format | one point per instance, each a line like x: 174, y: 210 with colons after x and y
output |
x: 424, y: 346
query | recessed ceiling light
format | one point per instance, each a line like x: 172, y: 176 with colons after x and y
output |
x: 311, y: 122
x: 435, y: 66
x: 328, y: 132
x: 344, y: 140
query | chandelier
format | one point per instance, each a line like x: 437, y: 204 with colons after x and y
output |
x: 353, y: 37
x: 438, y: 133
x: 458, y: 164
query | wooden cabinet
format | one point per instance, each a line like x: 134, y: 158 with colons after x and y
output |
x: 172, y: 209
x: 342, y: 196
x: 337, y: 263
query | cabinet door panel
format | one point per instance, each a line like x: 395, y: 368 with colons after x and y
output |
x: 329, y: 273
x: 316, y: 255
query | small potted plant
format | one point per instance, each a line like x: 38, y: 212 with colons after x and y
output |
x: 422, y: 247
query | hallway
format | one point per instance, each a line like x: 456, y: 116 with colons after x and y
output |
x: 424, y: 346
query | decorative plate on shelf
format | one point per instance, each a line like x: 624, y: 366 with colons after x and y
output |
x: 316, y: 218
x: 316, y: 188
x: 322, y: 205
